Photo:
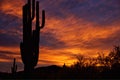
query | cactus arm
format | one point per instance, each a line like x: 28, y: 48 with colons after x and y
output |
x: 37, y: 15
x: 29, y: 9
x: 14, y: 67
x: 25, y: 22
x: 43, y: 19
x: 33, y: 9
x: 29, y: 24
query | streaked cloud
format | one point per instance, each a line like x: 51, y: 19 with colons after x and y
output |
x: 72, y: 27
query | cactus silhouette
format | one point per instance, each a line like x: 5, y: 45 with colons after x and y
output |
x: 30, y: 45
x: 14, y: 67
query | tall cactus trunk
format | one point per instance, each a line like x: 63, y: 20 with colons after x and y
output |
x: 30, y: 45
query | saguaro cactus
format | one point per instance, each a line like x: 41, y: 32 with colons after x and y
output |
x: 14, y: 67
x: 30, y: 45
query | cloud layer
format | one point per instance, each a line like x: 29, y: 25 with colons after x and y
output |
x: 72, y: 27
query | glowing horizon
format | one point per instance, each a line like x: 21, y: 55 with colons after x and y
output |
x: 72, y: 27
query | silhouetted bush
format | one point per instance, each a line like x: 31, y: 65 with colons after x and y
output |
x: 101, y: 67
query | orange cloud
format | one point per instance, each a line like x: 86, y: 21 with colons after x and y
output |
x: 12, y: 7
x: 80, y: 36
x: 8, y: 53
x: 75, y: 33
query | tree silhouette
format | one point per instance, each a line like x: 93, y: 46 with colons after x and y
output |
x: 114, y: 57
x: 30, y: 45
x: 81, y: 60
x: 102, y: 60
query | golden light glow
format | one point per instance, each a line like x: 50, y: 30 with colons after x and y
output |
x: 12, y: 7
x: 78, y: 35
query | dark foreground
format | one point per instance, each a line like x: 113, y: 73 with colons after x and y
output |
x: 55, y: 72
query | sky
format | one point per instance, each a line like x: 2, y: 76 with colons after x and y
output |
x: 72, y: 27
